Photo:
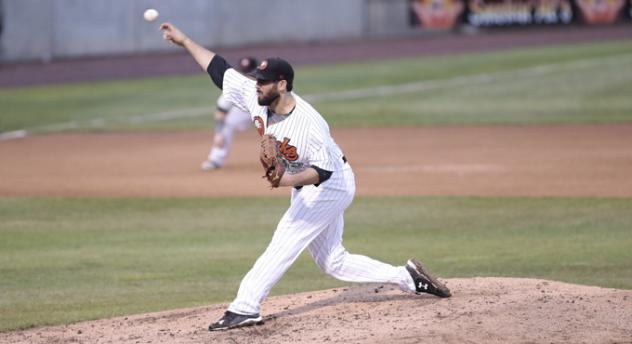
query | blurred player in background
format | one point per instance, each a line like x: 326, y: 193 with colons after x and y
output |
x: 228, y: 119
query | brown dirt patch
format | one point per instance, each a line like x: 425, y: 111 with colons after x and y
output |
x: 591, y: 160
x: 482, y: 310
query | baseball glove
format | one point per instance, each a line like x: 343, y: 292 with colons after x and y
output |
x: 270, y: 158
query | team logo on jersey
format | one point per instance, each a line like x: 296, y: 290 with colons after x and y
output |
x: 288, y: 151
x: 258, y: 121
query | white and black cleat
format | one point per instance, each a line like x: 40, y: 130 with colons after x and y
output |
x: 424, y: 282
x: 234, y: 320
x: 208, y: 165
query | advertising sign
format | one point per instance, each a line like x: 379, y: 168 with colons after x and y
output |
x: 518, y: 12
x: 600, y: 11
x: 448, y: 14
x: 438, y: 14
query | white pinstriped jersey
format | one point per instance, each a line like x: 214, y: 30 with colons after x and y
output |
x: 304, y: 134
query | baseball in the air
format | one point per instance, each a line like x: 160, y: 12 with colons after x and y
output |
x: 150, y: 15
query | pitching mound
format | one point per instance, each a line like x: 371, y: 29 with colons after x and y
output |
x: 482, y: 310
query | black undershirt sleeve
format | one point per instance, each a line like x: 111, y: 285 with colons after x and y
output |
x: 216, y: 70
x: 323, y: 175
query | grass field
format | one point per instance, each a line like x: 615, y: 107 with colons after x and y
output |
x: 569, y: 84
x: 64, y: 260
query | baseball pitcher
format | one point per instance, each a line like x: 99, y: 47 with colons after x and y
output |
x: 297, y: 151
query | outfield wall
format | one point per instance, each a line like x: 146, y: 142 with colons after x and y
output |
x: 43, y: 30
x: 50, y: 29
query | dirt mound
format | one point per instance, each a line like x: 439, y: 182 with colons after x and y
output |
x: 482, y: 310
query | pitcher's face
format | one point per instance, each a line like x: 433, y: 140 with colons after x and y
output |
x: 267, y: 92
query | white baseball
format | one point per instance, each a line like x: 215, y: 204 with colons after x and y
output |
x: 150, y: 15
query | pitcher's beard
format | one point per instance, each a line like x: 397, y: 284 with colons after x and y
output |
x: 266, y: 101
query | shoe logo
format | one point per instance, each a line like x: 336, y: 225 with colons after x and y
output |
x: 221, y: 322
x: 423, y: 286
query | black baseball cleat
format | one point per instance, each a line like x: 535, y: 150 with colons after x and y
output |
x: 234, y: 320
x: 424, y: 282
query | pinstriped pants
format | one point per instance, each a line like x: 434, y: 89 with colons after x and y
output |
x: 314, y: 221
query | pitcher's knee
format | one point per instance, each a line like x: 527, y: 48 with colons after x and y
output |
x: 333, y: 263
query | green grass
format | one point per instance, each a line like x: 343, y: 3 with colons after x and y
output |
x: 115, y: 103
x: 65, y: 260
x: 585, y: 83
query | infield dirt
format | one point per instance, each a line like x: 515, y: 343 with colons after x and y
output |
x: 573, y: 160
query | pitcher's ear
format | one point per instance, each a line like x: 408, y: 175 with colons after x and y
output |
x: 282, y: 85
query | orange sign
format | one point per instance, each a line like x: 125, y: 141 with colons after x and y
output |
x: 438, y: 14
x: 600, y: 11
